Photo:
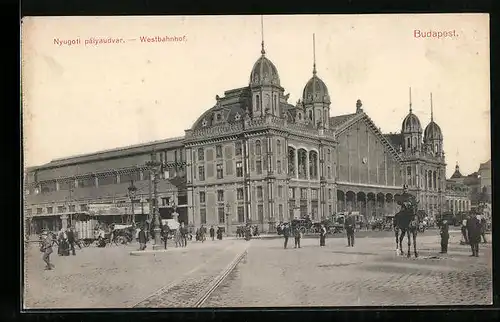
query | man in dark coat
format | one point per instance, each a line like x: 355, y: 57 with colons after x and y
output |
x: 212, y: 232
x: 445, y: 236
x: 349, y: 228
x: 71, y: 240
x: 474, y: 233
x: 142, y: 239
x: 297, y: 234
x: 286, y: 234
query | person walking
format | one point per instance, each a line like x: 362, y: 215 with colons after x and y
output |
x: 297, y: 235
x: 482, y: 220
x: 46, y: 249
x: 445, y: 236
x: 71, y: 240
x: 349, y: 228
x: 212, y: 232
x: 463, y: 229
x: 219, y: 233
x: 184, y: 233
x: 322, y: 236
x: 474, y: 234
x: 142, y: 239
x: 286, y: 234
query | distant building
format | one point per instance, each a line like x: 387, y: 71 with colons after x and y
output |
x: 478, y: 184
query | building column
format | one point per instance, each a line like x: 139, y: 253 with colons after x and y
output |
x: 118, y: 179
x: 96, y: 180
x: 368, y: 157
x: 64, y: 221
x: 190, y: 207
x: 308, y: 174
x: 57, y: 185
x: 76, y: 183
x: 296, y: 163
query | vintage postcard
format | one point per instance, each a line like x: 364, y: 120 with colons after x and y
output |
x: 256, y: 161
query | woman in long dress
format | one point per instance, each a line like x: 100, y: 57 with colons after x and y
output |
x: 322, y: 236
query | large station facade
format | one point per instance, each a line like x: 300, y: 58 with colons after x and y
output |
x: 253, y: 157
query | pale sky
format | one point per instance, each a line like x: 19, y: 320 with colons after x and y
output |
x: 85, y: 98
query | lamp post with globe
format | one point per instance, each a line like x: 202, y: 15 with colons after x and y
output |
x: 155, y: 167
x: 132, y: 190
x: 228, y: 207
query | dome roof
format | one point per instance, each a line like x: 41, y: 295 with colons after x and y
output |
x: 315, y: 91
x: 432, y: 132
x: 411, y: 123
x: 264, y: 72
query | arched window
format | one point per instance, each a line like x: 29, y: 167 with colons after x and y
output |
x: 434, y: 179
x: 257, y: 102
x: 310, y: 115
x: 329, y: 156
x: 408, y: 143
x: 278, y: 146
x: 258, y: 148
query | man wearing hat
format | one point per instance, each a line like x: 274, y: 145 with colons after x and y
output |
x: 474, y: 233
x: 445, y: 236
x: 46, y: 249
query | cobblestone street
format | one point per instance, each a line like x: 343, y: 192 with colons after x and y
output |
x: 110, y: 277
x: 368, y: 274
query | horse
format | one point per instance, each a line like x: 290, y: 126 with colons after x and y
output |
x: 405, y: 223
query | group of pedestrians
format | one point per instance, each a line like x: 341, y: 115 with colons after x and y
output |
x: 473, y: 229
x: 65, y: 241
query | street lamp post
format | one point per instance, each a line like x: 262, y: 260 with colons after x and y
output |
x: 228, y: 206
x: 155, y: 167
x: 131, y: 194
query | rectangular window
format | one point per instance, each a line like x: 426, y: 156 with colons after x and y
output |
x: 72, y: 208
x: 303, y: 193
x: 260, y: 194
x: 239, y: 193
x: 220, y: 195
x: 291, y: 193
x: 203, y: 216
x: 280, y: 191
x: 314, y: 193
x: 278, y: 166
x: 220, y: 171
x: 220, y: 211
x: 165, y: 201
x: 49, y: 210
x: 238, y: 148
x: 61, y: 209
x: 218, y: 151
x: 329, y: 173
x: 239, y: 169
x: 330, y: 194
x: 280, y: 213
x: 83, y: 207
x: 201, y: 173
x: 201, y: 154
x: 330, y: 210
x: 241, y: 214
x: 258, y: 166
x: 202, y: 197
x: 39, y: 211
x: 260, y: 213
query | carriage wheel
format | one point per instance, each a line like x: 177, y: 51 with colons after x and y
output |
x: 302, y: 230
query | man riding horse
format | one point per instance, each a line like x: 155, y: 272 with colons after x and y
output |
x: 406, y: 221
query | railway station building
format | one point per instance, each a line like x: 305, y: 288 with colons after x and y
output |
x: 253, y: 157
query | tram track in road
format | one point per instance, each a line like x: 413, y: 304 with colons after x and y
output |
x: 193, y: 288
